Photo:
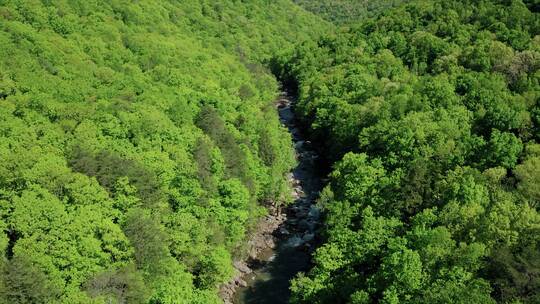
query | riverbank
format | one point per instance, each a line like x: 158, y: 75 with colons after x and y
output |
x: 283, y: 241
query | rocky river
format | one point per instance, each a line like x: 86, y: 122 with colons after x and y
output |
x: 281, y: 245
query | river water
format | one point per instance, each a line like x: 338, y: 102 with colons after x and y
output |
x: 296, y: 237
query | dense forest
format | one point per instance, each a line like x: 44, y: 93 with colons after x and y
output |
x: 138, y: 144
x: 344, y: 12
x: 430, y: 116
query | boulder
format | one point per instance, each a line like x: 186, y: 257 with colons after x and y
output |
x: 314, y: 212
x: 294, y: 241
x: 308, y: 237
x: 242, y: 267
x: 240, y: 282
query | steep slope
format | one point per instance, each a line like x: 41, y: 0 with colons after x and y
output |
x: 430, y: 116
x: 136, y: 139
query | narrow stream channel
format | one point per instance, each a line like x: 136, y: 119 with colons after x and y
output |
x: 295, y: 238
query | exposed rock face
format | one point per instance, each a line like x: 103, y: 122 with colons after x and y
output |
x: 294, y: 226
x: 262, y: 239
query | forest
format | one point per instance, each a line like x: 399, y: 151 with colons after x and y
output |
x: 344, y: 12
x: 429, y: 114
x: 140, y: 146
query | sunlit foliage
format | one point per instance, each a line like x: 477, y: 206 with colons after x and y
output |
x: 429, y: 115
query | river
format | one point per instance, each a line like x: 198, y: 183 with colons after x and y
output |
x: 297, y: 235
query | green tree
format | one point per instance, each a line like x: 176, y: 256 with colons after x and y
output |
x: 24, y: 282
x: 528, y: 174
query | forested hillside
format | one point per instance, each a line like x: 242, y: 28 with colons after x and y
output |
x: 139, y: 145
x: 430, y: 114
x: 347, y: 11
x: 136, y: 140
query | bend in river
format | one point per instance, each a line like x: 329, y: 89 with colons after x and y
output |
x: 296, y: 235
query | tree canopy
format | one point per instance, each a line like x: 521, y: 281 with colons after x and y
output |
x: 428, y: 115
x: 136, y: 142
x: 139, y: 145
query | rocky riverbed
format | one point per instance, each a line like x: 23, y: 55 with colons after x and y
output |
x: 280, y: 247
